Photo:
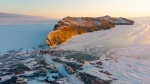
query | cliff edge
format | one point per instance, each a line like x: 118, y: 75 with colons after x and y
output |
x: 71, y: 26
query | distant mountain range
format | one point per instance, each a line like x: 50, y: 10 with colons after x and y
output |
x: 17, y: 19
x: 11, y: 15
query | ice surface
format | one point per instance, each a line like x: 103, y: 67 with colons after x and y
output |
x: 73, y: 79
x: 35, y: 82
x: 6, y: 77
x: 127, y: 48
x: 26, y: 36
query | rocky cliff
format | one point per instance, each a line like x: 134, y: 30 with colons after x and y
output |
x: 71, y: 26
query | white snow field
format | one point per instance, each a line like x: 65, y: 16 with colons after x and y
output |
x: 126, y: 48
x: 23, y: 33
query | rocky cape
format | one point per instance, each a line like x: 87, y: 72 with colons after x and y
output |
x: 71, y: 26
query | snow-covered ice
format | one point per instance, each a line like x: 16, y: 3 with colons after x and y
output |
x: 127, y: 48
x: 72, y: 79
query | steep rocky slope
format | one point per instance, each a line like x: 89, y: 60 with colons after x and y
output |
x: 71, y: 26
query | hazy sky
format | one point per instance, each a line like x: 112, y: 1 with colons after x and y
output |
x: 63, y: 8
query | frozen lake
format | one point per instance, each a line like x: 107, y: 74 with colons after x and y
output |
x: 124, y: 51
x: 26, y: 36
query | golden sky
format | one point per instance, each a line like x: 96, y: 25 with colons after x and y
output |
x: 90, y: 8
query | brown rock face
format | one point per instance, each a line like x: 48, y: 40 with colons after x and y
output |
x: 71, y: 26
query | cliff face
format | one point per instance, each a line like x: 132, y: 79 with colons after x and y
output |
x: 71, y: 26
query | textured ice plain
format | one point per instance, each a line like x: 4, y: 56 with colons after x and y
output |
x: 126, y: 48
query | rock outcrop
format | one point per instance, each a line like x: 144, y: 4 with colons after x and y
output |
x: 118, y: 21
x: 71, y: 26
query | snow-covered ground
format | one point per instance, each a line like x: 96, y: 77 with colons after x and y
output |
x: 27, y: 34
x: 126, y: 49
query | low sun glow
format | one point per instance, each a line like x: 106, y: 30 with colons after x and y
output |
x: 143, y: 4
